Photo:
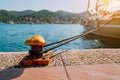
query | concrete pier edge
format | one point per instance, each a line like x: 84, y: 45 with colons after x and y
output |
x: 70, y: 57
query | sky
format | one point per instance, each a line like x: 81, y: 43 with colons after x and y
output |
x: 75, y: 6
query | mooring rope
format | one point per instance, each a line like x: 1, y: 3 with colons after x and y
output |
x: 56, y: 42
x: 67, y: 40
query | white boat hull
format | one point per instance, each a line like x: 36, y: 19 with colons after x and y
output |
x: 111, y: 31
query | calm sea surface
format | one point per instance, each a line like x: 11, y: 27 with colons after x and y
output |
x: 12, y: 37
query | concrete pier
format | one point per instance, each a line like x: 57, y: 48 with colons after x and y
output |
x: 90, y: 64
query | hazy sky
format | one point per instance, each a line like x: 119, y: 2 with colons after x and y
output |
x: 76, y: 6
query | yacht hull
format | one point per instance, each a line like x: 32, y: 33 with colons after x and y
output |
x: 111, y: 31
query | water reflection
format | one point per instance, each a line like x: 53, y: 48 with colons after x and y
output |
x: 103, y: 42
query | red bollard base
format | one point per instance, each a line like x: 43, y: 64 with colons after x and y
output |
x: 33, y: 62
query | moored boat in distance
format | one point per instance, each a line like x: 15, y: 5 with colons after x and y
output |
x: 110, y: 20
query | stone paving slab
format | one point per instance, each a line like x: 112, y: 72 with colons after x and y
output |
x: 45, y: 73
x: 78, y: 72
x: 94, y: 72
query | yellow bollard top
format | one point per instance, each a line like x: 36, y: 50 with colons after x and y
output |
x: 35, y: 40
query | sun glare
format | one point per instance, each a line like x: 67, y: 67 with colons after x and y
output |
x: 110, y: 5
x: 114, y: 5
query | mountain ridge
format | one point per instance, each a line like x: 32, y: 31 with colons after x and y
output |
x: 38, y: 17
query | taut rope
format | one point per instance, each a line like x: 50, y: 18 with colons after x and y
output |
x: 67, y: 40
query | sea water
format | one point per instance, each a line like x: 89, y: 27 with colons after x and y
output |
x: 12, y: 37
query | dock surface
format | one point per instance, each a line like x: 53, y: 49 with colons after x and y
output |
x: 91, y: 64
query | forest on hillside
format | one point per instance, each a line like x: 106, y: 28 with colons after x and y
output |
x: 38, y: 17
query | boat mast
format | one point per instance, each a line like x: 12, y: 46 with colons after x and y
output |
x: 99, y: 4
x: 97, y: 19
x: 96, y: 7
x: 88, y: 5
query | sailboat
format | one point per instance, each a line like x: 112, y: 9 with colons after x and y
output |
x: 106, y: 14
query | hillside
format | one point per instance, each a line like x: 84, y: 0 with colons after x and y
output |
x: 84, y: 14
x: 38, y: 17
x: 22, y: 13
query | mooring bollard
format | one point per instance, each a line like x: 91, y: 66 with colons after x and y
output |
x: 35, y: 56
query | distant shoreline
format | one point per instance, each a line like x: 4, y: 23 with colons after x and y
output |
x: 39, y: 17
x: 40, y: 23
